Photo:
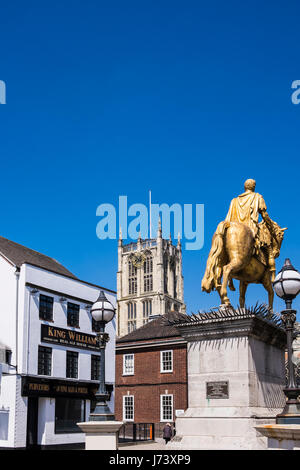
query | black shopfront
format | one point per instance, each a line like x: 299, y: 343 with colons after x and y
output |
x: 70, y: 394
x: 70, y: 403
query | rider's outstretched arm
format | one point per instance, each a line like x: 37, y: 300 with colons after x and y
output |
x: 266, y: 217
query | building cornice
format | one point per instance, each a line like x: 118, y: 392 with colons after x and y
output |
x: 199, y: 328
x: 152, y: 344
x: 60, y: 293
x: 148, y: 384
x: 71, y: 277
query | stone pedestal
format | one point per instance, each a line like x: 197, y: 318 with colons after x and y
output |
x: 235, y: 380
x: 281, y: 436
x: 101, y: 435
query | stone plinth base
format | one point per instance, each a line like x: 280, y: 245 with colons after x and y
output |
x: 281, y: 436
x: 101, y: 435
x: 222, y: 429
x: 235, y: 379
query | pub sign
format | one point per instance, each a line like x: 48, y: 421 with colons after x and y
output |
x: 64, y: 337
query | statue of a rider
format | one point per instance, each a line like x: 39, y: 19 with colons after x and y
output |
x: 243, y: 248
x: 246, y: 209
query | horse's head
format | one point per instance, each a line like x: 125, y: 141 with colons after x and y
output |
x: 279, y: 237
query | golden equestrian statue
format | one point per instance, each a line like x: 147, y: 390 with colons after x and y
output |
x: 244, y: 248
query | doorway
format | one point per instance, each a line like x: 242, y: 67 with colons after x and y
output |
x: 32, y: 423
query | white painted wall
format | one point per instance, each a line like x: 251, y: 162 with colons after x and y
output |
x: 25, y: 348
x: 8, y: 294
x: 8, y: 286
x: 46, y: 426
x: 70, y: 287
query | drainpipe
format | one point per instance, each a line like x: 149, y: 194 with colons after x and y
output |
x: 17, y: 274
x: 28, y: 330
x: 31, y: 292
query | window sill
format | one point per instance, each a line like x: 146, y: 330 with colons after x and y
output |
x: 127, y: 375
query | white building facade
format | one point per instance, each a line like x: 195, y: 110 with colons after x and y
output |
x: 52, y: 373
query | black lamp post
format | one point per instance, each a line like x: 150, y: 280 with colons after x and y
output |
x: 102, y: 312
x: 287, y: 286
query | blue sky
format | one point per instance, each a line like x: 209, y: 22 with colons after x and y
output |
x: 187, y: 99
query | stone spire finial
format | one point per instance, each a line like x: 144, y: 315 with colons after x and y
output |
x: 159, y: 231
x: 120, y: 237
x: 178, y: 240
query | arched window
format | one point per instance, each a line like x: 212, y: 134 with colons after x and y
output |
x: 148, y: 276
x: 131, y: 316
x: 175, y: 284
x: 147, y: 310
x: 132, y: 278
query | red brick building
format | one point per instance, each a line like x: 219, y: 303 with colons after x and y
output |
x: 151, y: 374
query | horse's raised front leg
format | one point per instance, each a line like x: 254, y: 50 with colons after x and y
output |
x: 243, y: 288
x: 267, y: 283
x: 234, y: 266
x: 230, y: 284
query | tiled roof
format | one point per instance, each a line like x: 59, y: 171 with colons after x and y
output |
x: 19, y: 254
x: 154, y: 329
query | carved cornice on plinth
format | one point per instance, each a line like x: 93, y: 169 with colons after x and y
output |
x: 259, y: 322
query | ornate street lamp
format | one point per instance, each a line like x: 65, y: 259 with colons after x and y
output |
x: 102, y: 312
x: 287, y: 287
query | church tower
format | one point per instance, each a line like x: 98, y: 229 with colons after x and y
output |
x: 149, y: 281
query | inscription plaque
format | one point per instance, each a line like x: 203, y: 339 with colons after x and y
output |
x: 217, y: 389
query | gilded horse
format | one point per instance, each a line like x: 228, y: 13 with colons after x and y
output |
x: 234, y: 255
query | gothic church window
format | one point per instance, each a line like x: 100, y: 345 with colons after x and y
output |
x: 147, y: 310
x: 131, y: 316
x: 132, y: 278
x: 175, y: 284
x: 148, y: 277
x: 165, y: 274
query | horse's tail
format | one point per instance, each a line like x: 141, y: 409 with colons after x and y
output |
x: 209, y: 281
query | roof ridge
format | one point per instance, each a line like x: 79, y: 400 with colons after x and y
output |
x: 161, y: 322
x: 31, y: 249
x: 19, y: 254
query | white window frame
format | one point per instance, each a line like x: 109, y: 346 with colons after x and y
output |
x: 124, y: 365
x: 124, y: 408
x: 162, y: 371
x: 166, y: 420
